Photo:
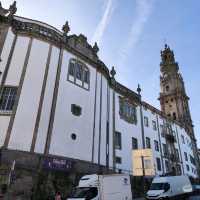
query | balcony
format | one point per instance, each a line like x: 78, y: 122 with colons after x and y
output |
x: 170, y: 138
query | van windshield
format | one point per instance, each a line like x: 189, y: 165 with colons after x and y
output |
x: 85, y: 192
x: 160, y: 186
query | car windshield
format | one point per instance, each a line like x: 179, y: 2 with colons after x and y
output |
x: 85, y: 192
x: 159, y: 186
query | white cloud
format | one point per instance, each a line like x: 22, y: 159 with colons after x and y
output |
x: 143, y: 11
x: 101, y: 27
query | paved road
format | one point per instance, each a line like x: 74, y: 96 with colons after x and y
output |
x: 191, y: 198
x: 195, y: 197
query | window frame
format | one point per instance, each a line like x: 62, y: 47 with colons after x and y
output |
x: 83, y: 70
x: 154, y: 125
x: 146, y: 121
x: 8, y: 99
x: 127, y: 111
x: 158, y: 164
x: 149, y: 142
x: 156, y: 146
x: 118, y: 160
x: 119, y: 139
x: 133, y: 142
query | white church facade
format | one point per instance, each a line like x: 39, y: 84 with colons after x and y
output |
x: 59, y: 100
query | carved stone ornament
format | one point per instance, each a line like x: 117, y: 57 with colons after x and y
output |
x: 167, y: 55
x: 95, y: 48
x: 8, y: 12
x: 66, y: 28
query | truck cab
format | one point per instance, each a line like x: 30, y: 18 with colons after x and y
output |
x: 103, y: 187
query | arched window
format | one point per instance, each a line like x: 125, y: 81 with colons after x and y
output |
x: 78, y: 73
x: 167, y: 88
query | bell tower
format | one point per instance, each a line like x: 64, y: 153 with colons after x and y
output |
x: 173, y: 98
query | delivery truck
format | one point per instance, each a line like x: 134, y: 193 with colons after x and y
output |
x: 103, y: 187
x: 169, y: 187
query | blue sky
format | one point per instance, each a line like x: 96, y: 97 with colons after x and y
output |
x: 130, y: 34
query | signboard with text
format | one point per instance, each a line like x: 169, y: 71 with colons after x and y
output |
x: 57, y: 164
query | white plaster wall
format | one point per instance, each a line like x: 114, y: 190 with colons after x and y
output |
x: 163, y: 141
x: 111, y: 129
x: 103, y: 122
x: 97, y: 119
x: 186, y: 148
x: 127, y: 131
x: 47, y: 102
x: 22, y: 131
x: 65, y: 123
x: 4, y: 122
x: 17, y: 61
x: 153, y: 135
x: 6, y: 51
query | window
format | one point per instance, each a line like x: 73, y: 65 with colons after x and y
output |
x: 183, y: 139
x: 158, y: 164
x: 134, y: 143
x: 118, y: 142
x: 127, y: 111
x: 76, y: 110
x: 177, y: 154
x: 167, y: 165
x: 156, y: 145
x: 118, y: 160
x: 164, y: 149
x: 148, y: 142
x: 174, y: 134
x: 187, y: 167
x: 174, y: 115
x: 154, y: 125
x: 8, y: 98
x: 192, y: 160
x: 146, y: 122
x: 167, y: 88
x: 73, y: 136
x: 186, y: 157
x: 162, y: 130
x: 178, y: 169
x: 78, y: 73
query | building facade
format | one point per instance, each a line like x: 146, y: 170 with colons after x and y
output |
x: 60, y: 101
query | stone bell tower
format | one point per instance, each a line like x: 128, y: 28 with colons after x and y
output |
x: 173, y: 98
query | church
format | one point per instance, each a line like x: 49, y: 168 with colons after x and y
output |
x: 61, y: 108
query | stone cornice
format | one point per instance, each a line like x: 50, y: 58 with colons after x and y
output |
x: 76, y: 45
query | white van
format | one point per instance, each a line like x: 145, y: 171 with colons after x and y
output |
x: 169, y: 187
x: 103, y: 187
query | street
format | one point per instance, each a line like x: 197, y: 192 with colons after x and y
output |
x: 195, y: 197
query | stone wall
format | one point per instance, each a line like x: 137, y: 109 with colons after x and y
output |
x: 31, y: 180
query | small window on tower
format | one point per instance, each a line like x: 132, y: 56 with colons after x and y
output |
x: 167, y: 88
x: 174, y: 116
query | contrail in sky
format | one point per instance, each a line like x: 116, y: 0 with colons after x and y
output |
x: 143, y: 11
x: 101, y: 27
